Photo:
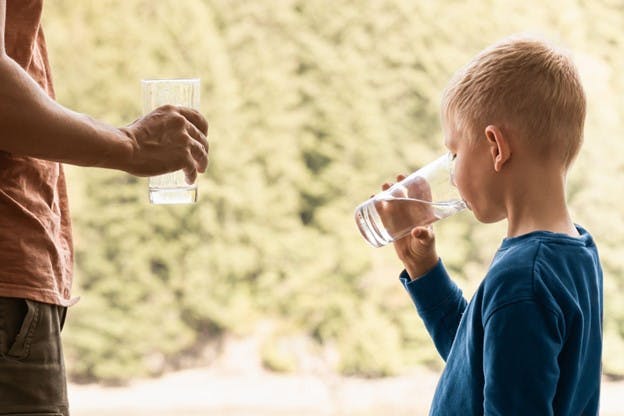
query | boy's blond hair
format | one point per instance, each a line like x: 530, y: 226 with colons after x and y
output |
x: 526, y: 86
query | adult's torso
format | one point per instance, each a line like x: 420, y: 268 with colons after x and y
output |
x: 36, y: 253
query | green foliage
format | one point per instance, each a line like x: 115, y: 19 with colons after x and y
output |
x: 312, y: 105
x: 278, y: 355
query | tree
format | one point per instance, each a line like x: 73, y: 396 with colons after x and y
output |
x: 312, y: 105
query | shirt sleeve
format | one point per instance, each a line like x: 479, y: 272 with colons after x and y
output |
x: 439, y: 303
x: 522, y: 341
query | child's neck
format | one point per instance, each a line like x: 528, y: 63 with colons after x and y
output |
x: 538, y: 204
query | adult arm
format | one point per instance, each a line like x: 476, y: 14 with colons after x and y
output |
x: 440, y: 304
x: 2, y: 25
x: 522, y: 341
x: 34, y: 125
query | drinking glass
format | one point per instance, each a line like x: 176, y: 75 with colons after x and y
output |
x: 170, y: 188
x: 425, y: 196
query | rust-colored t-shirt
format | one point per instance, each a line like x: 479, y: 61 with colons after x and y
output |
x: 36, y: 253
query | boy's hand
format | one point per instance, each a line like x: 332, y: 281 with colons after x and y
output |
x: 416, y: 250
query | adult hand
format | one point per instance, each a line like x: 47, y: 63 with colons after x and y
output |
x: 417, y: 249
x: 167, y: 139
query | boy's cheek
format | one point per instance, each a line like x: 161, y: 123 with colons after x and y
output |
x: 459, y: 183
x: 464, y: 192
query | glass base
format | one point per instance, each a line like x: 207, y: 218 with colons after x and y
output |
x: 370, y: 225
x: 169, y: 196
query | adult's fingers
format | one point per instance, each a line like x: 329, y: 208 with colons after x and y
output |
x: 199, y: 146
x: 190, y: 174
x: 195, y: 118
x: 198, y: 136
x: 199, y: 155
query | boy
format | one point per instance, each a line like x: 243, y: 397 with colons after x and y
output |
x: 530, y: 340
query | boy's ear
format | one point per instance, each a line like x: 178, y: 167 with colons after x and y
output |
x: 498, y: 145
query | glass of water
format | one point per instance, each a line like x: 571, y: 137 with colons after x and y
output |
x: 170, y: 188
x: 422, y: 198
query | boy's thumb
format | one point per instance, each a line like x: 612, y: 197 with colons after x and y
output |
x: 421, y: 233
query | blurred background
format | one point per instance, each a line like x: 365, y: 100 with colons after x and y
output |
x: 262, y: 298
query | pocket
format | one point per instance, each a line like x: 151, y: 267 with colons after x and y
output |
x: 19, y: 320
x: 31, y: 414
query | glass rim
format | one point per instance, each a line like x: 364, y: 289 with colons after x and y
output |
x: 166, y: 80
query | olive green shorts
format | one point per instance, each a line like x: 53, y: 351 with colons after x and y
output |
x: 32, y: 371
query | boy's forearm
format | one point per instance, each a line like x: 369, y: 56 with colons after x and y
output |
x: 440, y: 304
x: 32, y: 124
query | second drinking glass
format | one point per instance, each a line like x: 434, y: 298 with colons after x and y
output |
x: 170, y: 188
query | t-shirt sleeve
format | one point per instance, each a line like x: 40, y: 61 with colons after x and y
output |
x: 522, y: 341
x: 439, y: 303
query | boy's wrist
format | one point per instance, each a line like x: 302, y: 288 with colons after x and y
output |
x: 416, y: 270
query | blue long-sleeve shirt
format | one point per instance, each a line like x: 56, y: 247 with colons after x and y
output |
x: 530, y: 340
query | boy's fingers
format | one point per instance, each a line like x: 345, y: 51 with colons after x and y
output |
x: 385, y: 186
x: 420, y: 189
